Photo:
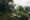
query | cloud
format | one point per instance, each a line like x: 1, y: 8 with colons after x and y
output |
x: 22, y: 2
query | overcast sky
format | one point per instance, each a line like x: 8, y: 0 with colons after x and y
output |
x: 22, y: 2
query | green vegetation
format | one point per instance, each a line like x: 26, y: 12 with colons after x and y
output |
x: 22, y: 11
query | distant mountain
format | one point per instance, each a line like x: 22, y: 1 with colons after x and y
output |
x: 27, y: 8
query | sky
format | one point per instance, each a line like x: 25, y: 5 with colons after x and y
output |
x: 22, y: 2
